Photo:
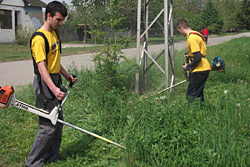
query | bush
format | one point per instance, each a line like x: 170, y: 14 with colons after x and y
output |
x: 23, y: 35
x: 107, y: 72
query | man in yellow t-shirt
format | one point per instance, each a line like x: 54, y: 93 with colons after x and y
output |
x: 53, y: 56
x: 198, y: 64
x: 46, y: 84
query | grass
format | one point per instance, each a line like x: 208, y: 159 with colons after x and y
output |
x: 156, y: 131
x: 15, y: 52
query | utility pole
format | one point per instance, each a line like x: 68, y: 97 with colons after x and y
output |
x: 143, y: 52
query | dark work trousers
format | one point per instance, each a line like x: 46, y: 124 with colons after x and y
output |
x: 48, y: 140
x: 197, y: 81
x: 206, y: 37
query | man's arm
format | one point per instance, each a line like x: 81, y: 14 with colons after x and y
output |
x: 195, y: 62
x: 66, y: 75
x: 47, y: 79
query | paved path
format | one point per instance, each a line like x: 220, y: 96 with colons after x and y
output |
x: 21, y: 72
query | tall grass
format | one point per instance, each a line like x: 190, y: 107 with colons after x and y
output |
x: 156, y: 131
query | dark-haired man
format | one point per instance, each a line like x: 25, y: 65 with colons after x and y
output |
x: 46, y: 84
x: 198, y: 63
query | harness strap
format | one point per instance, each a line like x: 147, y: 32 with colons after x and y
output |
x: 197, y: 33
x: 60, y: 40
x: 36, y: 71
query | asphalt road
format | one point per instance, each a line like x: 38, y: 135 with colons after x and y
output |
x: 21, y: 72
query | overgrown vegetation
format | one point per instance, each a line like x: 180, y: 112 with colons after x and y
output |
x: 107, y: 72
x: 156, y: 131
x: 23, y: 35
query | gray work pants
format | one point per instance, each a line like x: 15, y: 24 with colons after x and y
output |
x: 48, y: 140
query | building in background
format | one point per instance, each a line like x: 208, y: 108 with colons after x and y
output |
x: 24, y: 14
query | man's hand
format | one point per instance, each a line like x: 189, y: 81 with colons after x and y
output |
x: 58, y: 93
x: 184, y: 67
x: 47, y: 79
x: 67, y: 76
x: 73, y: 79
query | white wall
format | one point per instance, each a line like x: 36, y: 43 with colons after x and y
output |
x: 8, y: 35
x: 13, y: 3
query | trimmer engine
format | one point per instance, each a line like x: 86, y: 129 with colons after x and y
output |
x: 218, y: 65
x: 5, y: 95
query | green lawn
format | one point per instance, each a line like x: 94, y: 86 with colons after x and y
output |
x: 14, y: 52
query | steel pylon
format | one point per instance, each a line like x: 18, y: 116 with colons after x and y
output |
x: 142, y: 51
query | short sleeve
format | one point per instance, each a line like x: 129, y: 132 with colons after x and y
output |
x: 38, y: 49
x: 193, y: 44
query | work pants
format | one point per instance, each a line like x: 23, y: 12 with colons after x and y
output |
x: 206, y: 37
x: 197, y: 81
x: 48, y: 140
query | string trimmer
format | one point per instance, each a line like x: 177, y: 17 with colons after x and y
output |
x: 8, y: 100
x: 217, y: 65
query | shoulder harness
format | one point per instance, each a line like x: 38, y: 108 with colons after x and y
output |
x: 199, y: 34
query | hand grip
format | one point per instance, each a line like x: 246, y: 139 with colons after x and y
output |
x: 63, y: 89
x: 186, y: 57
x: 71, y: 83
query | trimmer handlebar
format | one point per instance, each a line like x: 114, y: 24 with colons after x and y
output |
x: 187, y: 62
x: 70, y: 86
x: 63, y: 89
x: 71, y: 83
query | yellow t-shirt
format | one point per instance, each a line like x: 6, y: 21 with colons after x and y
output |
x: 39, y: 53
x: 196, y: 44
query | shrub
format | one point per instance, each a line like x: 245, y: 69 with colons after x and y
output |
x: 107, y: 65
x: 23, y: 35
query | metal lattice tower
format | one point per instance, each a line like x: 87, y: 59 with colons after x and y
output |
x: 142, y: 52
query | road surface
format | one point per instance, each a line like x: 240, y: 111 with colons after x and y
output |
x: 21, y: 72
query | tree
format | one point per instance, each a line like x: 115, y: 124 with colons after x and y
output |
x: 189, y: 10
x: 211, y: 18
x: 243, y: 16
x: 228, y: 9
x: 129, y: 8
x: 104, y: 17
